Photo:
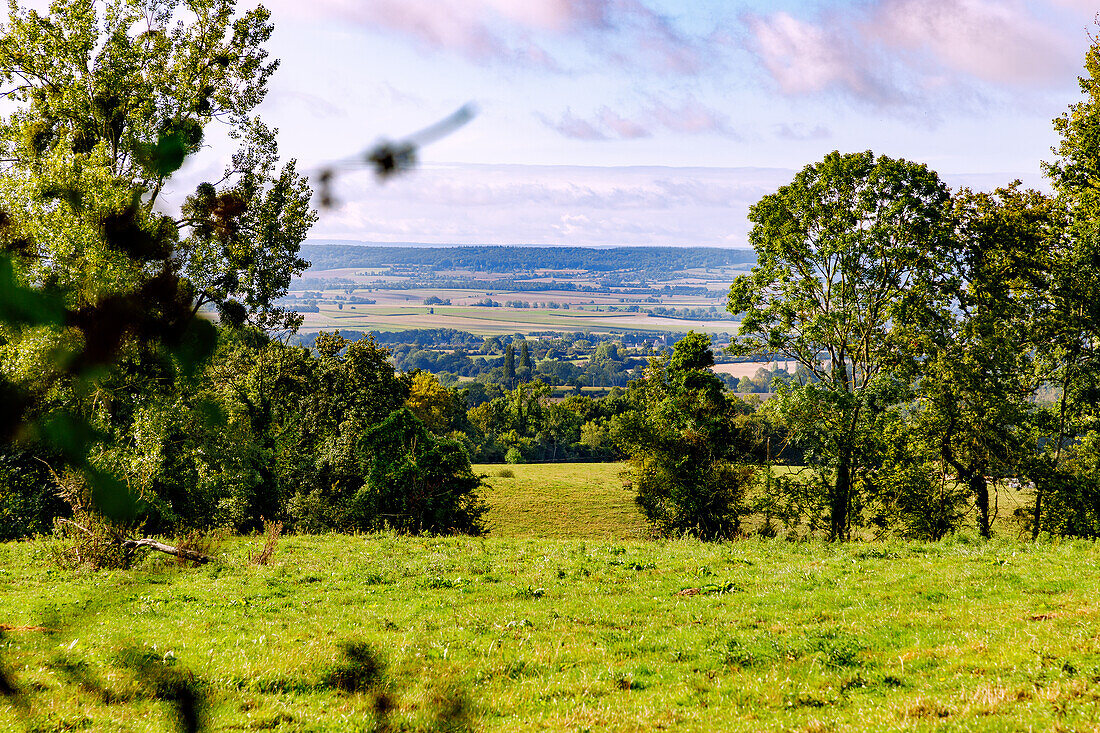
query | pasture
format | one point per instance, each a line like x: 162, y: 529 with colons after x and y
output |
x: 564, y: 618
x: 569, y: 635
x: 561, y: 501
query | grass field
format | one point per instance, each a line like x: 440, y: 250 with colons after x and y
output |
x: 564, y: 619
x: 561, y: 500
x: 572, y: 635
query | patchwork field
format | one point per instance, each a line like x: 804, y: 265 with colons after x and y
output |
x: 484, y: 321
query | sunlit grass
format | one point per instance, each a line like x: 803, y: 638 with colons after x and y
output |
x: 561, y: 500
x: 574, y: 635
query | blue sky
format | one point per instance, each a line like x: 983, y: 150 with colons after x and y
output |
x: 652, y: 121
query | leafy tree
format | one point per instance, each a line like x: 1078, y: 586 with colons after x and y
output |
x: 686, y: 456
x: 846, y: 254
x: 434, y: 404
x: 105, y: 102
x: 1069, y: 348
x: 977, y: 374
x: 691, y: 353
x: 510, y: 366
x: 525, y: 357
x: 416, y: 482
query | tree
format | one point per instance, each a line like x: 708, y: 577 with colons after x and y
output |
x: 1069, y: 351
x: 416, y: 482
x: 686, y: 454
x: 525, y: 356
x: 846, y: 254
x: 510, y: 366
x: 977, y: 382
x: 106, y: 100
x: 691, y: 353
x: 431, y: 402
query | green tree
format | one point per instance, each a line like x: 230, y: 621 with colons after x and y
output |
x: 691, y: 353
x: 106, y: 100
x: 846, y: 254
x: 510, y: 366
x: 686, y: 455
x: 1069, y: 351
x: 416, y: 482
x: 977, y: 382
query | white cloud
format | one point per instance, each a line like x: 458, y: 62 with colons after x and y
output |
x: 999, y: 42
x: 686, y: 116
x: 625, y: 32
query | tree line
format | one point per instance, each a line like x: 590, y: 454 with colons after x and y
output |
x: 663, y: 260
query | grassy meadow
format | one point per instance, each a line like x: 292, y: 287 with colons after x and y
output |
x: 561, y: 501
x: 564, y: 618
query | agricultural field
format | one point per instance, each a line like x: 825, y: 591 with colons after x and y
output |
x: 563, y: 623
x: 420, y: 288
x: 484, y: 321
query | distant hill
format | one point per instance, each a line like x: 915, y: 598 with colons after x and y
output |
x: 503, y: 258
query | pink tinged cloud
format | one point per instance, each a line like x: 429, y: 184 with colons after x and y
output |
x: 797, y: 132
x: 575, y: 127
x: 996, y: 41
x: 504, y: 30
x: 621, y: 126
x: 804, y: 57
x: 691, y: 117
x: 892, y: 52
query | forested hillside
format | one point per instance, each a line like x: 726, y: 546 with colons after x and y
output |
x: 518, y: 258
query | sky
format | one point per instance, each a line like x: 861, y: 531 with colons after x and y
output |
x: 654, y: 122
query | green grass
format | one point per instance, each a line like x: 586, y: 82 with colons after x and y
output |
x: 561, y: 500
x: 565, y: 618
x: 575, y: 635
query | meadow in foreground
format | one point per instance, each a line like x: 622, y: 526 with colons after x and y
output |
x: 572, y: 635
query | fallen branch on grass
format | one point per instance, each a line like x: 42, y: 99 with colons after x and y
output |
x: 195, y: 557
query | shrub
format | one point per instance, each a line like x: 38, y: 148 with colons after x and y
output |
x: 513, y: 456
x: 416, y: 482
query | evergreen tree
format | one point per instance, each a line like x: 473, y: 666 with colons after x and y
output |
x: 525, y: 357
x: 510, y: 366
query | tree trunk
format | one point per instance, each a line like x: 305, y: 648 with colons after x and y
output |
x: 841, y: 499
x: 131, y: 545
x: 979, y: 488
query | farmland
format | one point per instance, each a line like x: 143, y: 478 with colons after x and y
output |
x: 416, y: 289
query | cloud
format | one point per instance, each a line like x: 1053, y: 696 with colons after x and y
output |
x: 998, y: 42
x: 804, y: 57
x: 909, y: 53
x: 572, y: 126
x: 621, y: 126
x: 625, y: 32
x: 798, y: 131
x: 691, y: 116
x: 688, y: 116
x: 510, y: 204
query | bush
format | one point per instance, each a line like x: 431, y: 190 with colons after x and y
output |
x: 416, y: 482
x: 513, y: 456
x: 28, y: 497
